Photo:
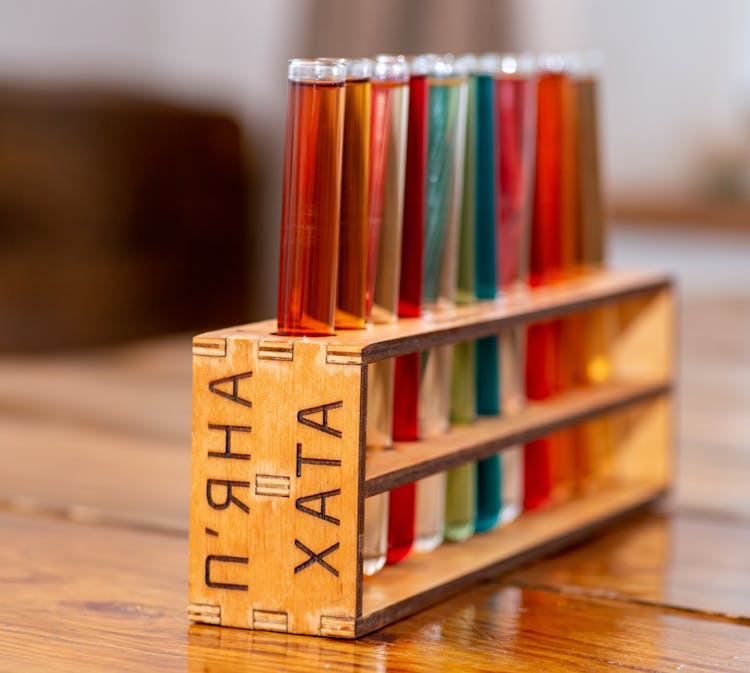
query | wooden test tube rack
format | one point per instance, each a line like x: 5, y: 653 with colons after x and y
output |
x: 280, y: 472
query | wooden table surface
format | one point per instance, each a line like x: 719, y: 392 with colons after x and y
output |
x: 94, y: 470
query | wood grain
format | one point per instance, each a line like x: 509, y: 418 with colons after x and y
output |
x: 86, y: 598
x: 275, y: 508
x: 684, y: 562
x: 87, y: 472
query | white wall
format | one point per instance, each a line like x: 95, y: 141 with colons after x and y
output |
x: 676, y: 74
x: 228, y: 53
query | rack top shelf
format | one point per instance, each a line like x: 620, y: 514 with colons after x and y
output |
x: 461, y: 323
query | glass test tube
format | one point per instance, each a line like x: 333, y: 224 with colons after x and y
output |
x: 311, y: 197
x: 489, y: 470
x: 515, y: 91
x: 570, y: 460
x: 545, y: 266
x: 350, y: 303
x: 460, y: 486
x: 401, y: 525
x: 445, y: 163
x: 599, y: 323
x: 388, y: 147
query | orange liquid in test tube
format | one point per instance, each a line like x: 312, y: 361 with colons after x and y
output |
x: 311, y: 198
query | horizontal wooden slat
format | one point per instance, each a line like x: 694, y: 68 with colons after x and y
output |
x: 409, y: 461
x: 422, y: 580
x: 399, y: 590
x: 477, y: 320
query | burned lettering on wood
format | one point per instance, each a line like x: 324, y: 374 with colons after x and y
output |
x: 307, y: 417
x: 213, y: 386
x: 222, y: 493
x: 224, y: 559
x: 227, y: 452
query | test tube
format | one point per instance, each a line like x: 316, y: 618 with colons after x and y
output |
x: 311, y: 197
x: 515, y: 94
x: 401, y: 525
x: 445, y: 163
x: 390, y: 94
x: 489, y: 470
x: 543, y: 370
x: 599, y: 323
x: 350, y: 303
x: 460, y: 487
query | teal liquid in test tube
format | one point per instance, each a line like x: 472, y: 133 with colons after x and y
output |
x: 489, y: 470
x: 444, y: 184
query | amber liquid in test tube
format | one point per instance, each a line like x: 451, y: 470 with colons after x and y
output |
x: 568, y: 461
x: 598, y: 438
x: 390, y: 91
x: 350, y: 303
x: 311, y: 198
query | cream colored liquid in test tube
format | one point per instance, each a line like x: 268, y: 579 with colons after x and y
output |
x: 390, y: 91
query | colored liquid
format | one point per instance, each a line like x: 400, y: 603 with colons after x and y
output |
x: 571, y: 463
x: 546, y: 459
x: 513, y: 399
x: 599, y: 323
x: 407, y: 367
x: 375, y: 545
x: 465, y: 289
x: 489, y: 471
x: 541, y: 382
x: 401, y: 517
x: 489, y: 475
x: 405, y: 428
x: 436, y: 370
x: 430, y: 512
x: 434, y: 421
x: 463, y: 399
x: 380, y: 125
x: 378, y: 437
x: 386, y: 293
x: 515, y: 132
x: 381, y: 375
x: 590, y: 208
x: 444, y: 181
x: 598, y: 438
x: 406, y: 396
x: 546, y: 255
x: 410, y: 289
x: 460, y: 498
x: 350, y: 304
x: 311, y: 208
x: 485, y: 157
x: 569, y: 222
x: 460, y: 502
x: 487, y: 376
x: 445, y: 164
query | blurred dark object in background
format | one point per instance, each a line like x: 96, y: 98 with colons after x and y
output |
x: 120, y: 217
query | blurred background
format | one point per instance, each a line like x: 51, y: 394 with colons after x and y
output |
x: 141, y: 141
